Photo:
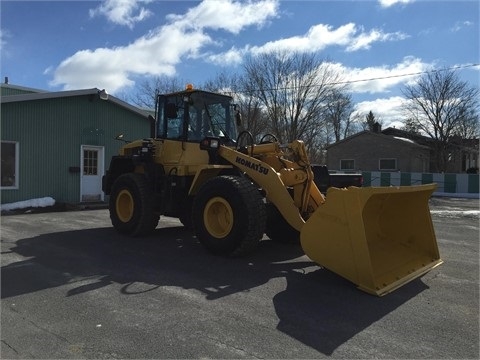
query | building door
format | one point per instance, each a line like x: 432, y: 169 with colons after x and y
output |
x: 92, y: 160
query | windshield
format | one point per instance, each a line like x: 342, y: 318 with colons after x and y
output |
x: 196, y: 115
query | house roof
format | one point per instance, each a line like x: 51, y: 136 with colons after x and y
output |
x: 398, y: 139
x: 21, y: 88
x: 71, y: 93
x: 470, y: 145
x: 419, y: 139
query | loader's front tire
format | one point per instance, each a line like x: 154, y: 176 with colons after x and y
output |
x: 131, y: 206
x: 229, y: 216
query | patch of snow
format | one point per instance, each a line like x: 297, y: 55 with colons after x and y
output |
x: 458, y: 195
x: 40, y: 202
x: 456, y: 213
x: 404, y: 139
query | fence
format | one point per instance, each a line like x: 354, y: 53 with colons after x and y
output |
x: 447, y: 183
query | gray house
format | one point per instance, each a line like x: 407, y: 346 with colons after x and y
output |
x: 59, y: 144
x: 463, y: 153
x: 375, y: 151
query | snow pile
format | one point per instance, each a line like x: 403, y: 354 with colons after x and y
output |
x: 454, y: 213
x: 34, y: 203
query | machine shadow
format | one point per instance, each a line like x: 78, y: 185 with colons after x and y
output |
x: 323, y: 310
x: 318, y: 308
x: 172, y: 256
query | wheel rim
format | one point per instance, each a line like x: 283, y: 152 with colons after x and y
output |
x: 124, y: 206
x: 218, y: 217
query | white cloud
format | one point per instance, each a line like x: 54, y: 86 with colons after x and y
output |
x: 388, y: 3
x: 154, y: 54
x: 378, y: 79
x: 186, y: 35
x: 122, y: 12
x: 317, y: 38
x: 231, y: 57
x: 383, y: 79
x: 389, y: 111
x: 459, y: 25
x: 228, y: 15
x: 158, y: 52
x: 2, y: 38
x: 364, y: 40
x: 4, y: 35
x: 321, y: 36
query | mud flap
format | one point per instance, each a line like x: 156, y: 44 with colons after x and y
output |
x: 379, y: 238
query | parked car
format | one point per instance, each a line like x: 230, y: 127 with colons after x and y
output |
x: 325, y: 178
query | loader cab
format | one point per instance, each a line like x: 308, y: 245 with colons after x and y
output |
x: 192, y: 115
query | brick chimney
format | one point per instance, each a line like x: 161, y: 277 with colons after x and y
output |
x: 377, y: 128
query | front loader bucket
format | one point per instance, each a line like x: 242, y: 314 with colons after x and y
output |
x: 377, y: 237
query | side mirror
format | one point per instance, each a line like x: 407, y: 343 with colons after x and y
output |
x: 153, y: 123
x: 120, y: 138
x: 238, y: 118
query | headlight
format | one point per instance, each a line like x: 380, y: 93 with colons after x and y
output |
x: 209, y: 143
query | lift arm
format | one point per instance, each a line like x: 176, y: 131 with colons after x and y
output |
x: 265, y: 165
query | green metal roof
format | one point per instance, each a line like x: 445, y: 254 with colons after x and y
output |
x: 8, y: 89
x: 64, y: 94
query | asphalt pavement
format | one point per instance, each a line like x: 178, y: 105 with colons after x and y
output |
x: 71, y: 287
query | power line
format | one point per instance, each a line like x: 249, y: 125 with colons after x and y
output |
x: 405, y: 75
x: 370, y: 79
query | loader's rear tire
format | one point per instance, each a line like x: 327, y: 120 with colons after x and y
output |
x: 278, y: 229
x: 131, y: 206
x: 229, y: 216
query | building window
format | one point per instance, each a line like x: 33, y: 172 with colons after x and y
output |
x: 347, y: 164
x: 90, y: 162
x: 388, y: 164
x: 9, y: 151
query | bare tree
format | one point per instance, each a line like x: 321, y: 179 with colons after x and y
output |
x: 292, y: 89
x: 438, y: 103
x: 148, y: 90
x: 411, y: 127
x: 253, y: 115
x: 468, y: 126
x: 337, y: 112
x: 356, y: 122
x: 223, y: 82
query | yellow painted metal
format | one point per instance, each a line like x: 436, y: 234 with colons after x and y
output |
x: 203, y: 173
x: 174, y: 152
x: 377, y: 237
x: 269, y: 180
x: 131, y: 145
x: 218, y: 217
x: 124, y: 206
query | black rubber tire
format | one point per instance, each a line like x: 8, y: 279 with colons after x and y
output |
x: 245, y: 211
x: 278, y: 229
x: 131, y: 206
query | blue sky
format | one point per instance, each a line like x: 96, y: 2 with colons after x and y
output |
x: 117, y: 44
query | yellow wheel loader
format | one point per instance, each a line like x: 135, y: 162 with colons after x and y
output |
x: 231, y: 191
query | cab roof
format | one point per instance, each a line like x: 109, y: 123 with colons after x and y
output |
x: 187, y: 91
